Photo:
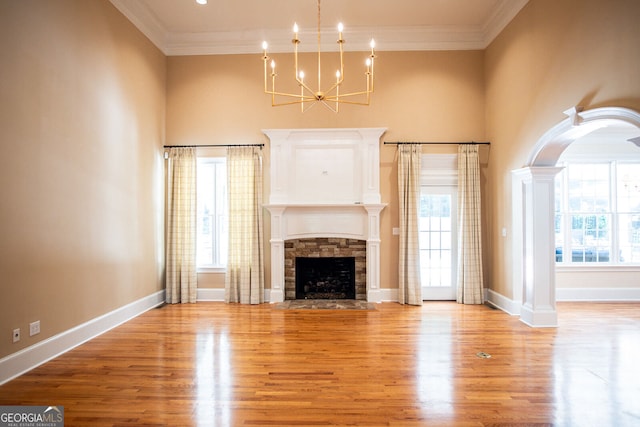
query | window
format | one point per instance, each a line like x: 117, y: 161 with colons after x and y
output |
x: 437, y: 226
x: 597, y: 213
x: 212, y: 235
x: 436, y: 233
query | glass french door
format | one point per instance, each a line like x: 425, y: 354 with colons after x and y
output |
x: 437, y: 239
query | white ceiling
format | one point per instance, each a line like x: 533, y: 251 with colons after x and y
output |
x: 183, y: 27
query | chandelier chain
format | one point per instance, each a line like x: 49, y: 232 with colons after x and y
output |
x: 319, y: 44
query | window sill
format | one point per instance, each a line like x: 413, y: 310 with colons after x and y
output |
x: 209, y: 270
x: 600, y: 268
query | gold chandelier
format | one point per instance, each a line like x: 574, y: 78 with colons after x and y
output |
x: 308, y: 97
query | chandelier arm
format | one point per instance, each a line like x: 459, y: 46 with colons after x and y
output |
x: 326, y: 104
x: 339, y: 82
x: 266, y: 58
x: 273, y: 87
x: 301, y: 82
x: 304, y: 85
x: 348, y: 95
x: 299, y: 101
x: 296, y: 42
x: 370, y: 75
x: 308, y: 106
x: 293, y: 95
x: 343, y: 101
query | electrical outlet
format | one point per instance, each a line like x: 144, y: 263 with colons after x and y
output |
x: 34, y: 328
x: 16, y: 335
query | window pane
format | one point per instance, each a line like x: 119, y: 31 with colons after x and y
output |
x: 559, y: 237
x: 435, y: 239
x: 206, y: 207
x: 588, y: 187
x: 629, y: 237
x: 222, y: 234
x: 211, y: 247
x: 628, y: 188
x: 590, y: 238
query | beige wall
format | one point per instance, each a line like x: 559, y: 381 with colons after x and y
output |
x: 420, y: 96
x: 81, y: 131
x: 554, y: 55
x: 82, y: 122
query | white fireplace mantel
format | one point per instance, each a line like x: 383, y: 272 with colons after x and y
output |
x: 325, y: 183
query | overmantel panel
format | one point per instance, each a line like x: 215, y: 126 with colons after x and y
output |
x: 325, y: 165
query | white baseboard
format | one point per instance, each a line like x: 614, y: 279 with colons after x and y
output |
x: 598, y: 294
x: 568, y: 294
x: 541, y: 317
x: 217, y: 294
x: 388, y: 295
x: 28, y: 358
x: 210, y: 294
x: 503, y: 303
x: 496, y: 299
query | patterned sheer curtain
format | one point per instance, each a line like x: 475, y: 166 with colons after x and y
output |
x: 244, y: 281
x: 409, y: 287
x: 181, y: 278
x: 470, y: 287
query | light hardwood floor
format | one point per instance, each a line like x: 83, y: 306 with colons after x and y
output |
x: 213, y: 364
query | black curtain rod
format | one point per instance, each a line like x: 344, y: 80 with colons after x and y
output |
x: 214, y: 145
x: 439, y: 143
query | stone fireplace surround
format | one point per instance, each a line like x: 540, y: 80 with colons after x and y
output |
x: 325, y: 184
x: 323, y: 248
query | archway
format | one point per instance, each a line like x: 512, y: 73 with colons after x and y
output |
x: 533, y: 211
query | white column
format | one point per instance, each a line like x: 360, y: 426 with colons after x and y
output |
x: 373, y: 252
x: 538, y: 255
x: 277, y: 253
x: 370, y: 150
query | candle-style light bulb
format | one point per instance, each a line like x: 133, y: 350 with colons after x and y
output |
x: 373, y: 45
x: 368, y: 62
x: 265, y: 45
x: 273, y: 64
x: 301, y: 74
x: 340, y: 28
x: 338, y: 75
x: 295, y: 30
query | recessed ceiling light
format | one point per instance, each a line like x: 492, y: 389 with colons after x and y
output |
x: 201, y: 1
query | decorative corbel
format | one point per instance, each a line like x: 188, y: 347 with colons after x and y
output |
x: 574, y: 114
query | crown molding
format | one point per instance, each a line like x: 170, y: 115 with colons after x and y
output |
x: 502, y: 15
x: 144, y: 20
x: 357, y: 39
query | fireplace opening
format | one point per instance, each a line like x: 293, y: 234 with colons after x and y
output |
x: 325, y: 278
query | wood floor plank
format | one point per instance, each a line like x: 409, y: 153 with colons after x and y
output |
x: 210, y: 364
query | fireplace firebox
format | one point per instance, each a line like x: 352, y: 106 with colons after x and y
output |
x: 325, y: 278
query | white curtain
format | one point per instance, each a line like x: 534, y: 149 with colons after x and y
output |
x: 470, y: 287
x: 409, y: 286
x: 244, y: 281
x: 181, y: 278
